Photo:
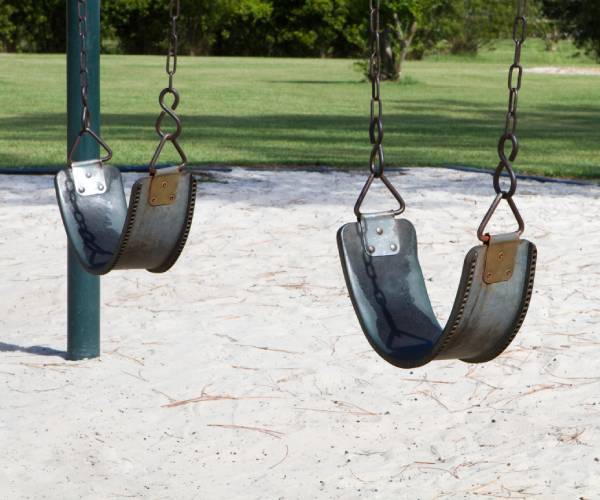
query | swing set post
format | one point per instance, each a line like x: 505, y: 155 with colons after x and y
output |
x: 83, y: 337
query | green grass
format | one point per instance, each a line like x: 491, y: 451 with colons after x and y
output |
x: 314, y: 112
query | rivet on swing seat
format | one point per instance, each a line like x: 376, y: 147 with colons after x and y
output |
x: 390, y: 298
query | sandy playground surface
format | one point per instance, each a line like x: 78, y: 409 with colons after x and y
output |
x: 243, y: 373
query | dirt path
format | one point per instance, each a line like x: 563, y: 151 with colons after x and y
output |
x: 566, y: 70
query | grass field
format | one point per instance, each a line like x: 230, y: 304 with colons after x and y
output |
x: 314, y: 112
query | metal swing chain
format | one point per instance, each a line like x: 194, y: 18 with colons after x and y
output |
x: 377, y: 158
x: 86, y: 115
x: 171, y: 66
x: 83, y: 67
x: 515, y: 80
x: 514, y: 86
x: 171, y: 69
x: 376, y: 161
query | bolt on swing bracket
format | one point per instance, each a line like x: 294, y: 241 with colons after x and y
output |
x: 380, y: 234
x: 163, y: 187
x: 500, y: 257
x: 501, y: 250
x: 88, y: 177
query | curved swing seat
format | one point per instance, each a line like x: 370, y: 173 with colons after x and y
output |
x: 108, y: 235
x: 388, y: 292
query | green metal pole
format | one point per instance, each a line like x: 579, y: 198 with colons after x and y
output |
x: 83, y: 288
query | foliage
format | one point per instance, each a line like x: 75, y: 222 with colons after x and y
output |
x: 7, y: 27
x: 245, y: 28
x: 408, y: 24
x: 236, y: 111
x: 579, y: 19
x: 139, y: 25
x: 412, y: 28
x: 32, y: 25
x: 315, y: 27
x: 305, y: 28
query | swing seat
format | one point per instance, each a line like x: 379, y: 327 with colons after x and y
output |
x: 388, y: 292
x: 107, y: 235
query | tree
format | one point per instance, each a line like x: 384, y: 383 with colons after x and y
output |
x: 205, y: 26
x: 315, y: 28
x: 402, y: 22
x: 32, y: 25
x: 301, y: 28
x: 412, y: 28
x: 140, y: 26
x: 474, y: 23
x: 7, y: 27
x: 579, y: 19
x: 245, y: 28
x: 201, y: 21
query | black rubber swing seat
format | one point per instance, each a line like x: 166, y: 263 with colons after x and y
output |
x: 389, y: 295
x: 107, y: 235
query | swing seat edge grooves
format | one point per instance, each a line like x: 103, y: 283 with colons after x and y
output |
x: 527, y: 293
x: 185, y: 230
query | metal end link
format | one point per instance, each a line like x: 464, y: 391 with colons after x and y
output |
x: 485, y: 237
x: 391, y: 188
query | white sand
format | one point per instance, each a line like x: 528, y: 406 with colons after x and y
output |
x: 255, y: 324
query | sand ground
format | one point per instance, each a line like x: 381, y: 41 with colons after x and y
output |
x: 243, y: 372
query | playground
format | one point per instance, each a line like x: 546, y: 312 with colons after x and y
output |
x: 242, y: 373
x: 273, y: 321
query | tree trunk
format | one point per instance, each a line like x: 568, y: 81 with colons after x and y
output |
x: 394, y: 60
x: 405, y: 46
x: 389, y: 64
x: 193, y: 35
x: 552, y: 38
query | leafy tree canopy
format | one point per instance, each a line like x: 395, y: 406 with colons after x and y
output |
x: 579, y: 19
x: 321, y: 28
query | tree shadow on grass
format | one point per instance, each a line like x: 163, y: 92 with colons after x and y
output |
x: 317, y: 82
x: 435, y: 132
x: 438, y: 120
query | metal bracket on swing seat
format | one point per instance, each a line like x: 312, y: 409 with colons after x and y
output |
x: 163, y: 187
x: 500, y: 258
x: 380, y: 234
x: 88, y: 177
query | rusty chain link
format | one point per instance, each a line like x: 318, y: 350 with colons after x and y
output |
x: 83, y: 66
x: 376, y: 159
x: 515, y: 80
x: 86, y: 115
x: 171, y: 69
x: 171, y: 66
